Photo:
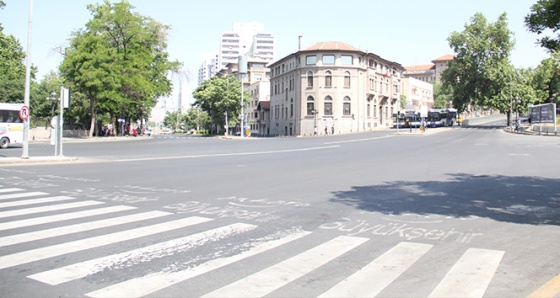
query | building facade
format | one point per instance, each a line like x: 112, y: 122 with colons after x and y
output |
x: 418, y: 93
x: 332, y: 86
x: 429, y: 72
x: 246, y: 39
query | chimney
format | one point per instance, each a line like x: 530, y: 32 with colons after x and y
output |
x: 299, y: 42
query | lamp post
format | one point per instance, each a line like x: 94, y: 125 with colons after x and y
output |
x: 517, y: 102
x: 242, y: 70
x: 315, y: 112
x: 52, y: 99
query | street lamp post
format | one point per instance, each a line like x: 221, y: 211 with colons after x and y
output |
x: 315, y: 112
x: 52, y: 99
x: 242, y: 70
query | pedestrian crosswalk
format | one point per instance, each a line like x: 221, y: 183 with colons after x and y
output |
x: 38, y: 231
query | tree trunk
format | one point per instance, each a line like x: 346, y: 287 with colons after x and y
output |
x: 93, y: 124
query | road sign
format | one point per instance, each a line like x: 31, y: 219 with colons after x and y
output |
x: 24, y: 113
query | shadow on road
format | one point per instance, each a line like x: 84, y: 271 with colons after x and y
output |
x: 523, y: 200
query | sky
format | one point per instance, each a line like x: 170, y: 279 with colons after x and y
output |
x: 409, y: 32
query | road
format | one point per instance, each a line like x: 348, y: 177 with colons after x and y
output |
x: 464, y: 212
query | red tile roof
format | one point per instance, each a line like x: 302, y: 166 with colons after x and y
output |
x: 331, y: 46
x: 446, y: 57
x: 419, y: 67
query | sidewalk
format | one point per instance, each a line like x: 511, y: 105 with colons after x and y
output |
x: 34, y: 160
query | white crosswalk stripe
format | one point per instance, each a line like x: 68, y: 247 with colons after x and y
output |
x: 145, y: 254
x: 3, y: 190
x: 61, y: 217
x: 145, y: 285
x: 89, y: 243
x: 385, y: 268
x: 21, y: 195
x: 35, y: 201
x: 77, y: 228
x: 470, y: 276
x: 41, y: 209
x: 272, y: 278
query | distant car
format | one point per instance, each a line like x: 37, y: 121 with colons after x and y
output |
x: 148, y: 132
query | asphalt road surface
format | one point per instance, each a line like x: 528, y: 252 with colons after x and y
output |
x: 462, y: 212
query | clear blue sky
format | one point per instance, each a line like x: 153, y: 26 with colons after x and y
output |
x: 405, y: 31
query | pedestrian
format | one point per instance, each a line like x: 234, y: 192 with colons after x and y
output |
x: 326, y: 131
x: 332, y: 130
x: 315, y: 132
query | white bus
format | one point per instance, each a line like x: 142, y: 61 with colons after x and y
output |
x: 11, y: 125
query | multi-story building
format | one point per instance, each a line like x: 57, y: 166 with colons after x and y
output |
x: 207, y: 67
x: 256, y: 83
x: 418, y: 93
x: 429, y: 72
x: 332, y: 86
x: 245, y: 39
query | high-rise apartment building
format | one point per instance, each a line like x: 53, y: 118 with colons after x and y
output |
x: 245, y: 39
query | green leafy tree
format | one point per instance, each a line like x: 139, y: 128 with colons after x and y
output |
x: 196, y: 119
x: 544, y: 16
x: 119, y: 62
x: 480, y: 71
x: 220, y: 95
x: 441, y: 97
x: 12, y: 67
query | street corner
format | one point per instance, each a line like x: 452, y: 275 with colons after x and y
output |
x: 37, y: 160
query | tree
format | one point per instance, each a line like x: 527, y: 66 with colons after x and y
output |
x: 441, y: 97
x: 119, y: 62
x: 218, y: 96
x: 12, y: 67
x: 545, y: 15
x: 480, y: 71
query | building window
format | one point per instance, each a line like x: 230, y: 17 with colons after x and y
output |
x: 310, y: 79
x: 328, y: 59
x: 347, y: 79
x: 328, y: 78
x: 310, y: 106
x: 346, y: 106
x: 368, y: 110
x: 346, y: 60
x: 311, y: 60
x: 328, y: 106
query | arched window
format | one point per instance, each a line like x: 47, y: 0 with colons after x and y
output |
x: 310, y: 106
x: 328, y: 106
x: 347, y: 79
x: 328, y: 78
x: 346, y: 106
x: 310, y: 79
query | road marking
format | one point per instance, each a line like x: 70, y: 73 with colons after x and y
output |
x: 48, y: 208
x: 61, y: 217
x: 145, y: 285
x: 77, y: 228
x: 141, y: 255
x: 274, y: 277
x: 94, y: 242
x: 471, y: 275
x: 550, y: 289
x: 22, y: 195
x: 358, y: 140
x: 374, y: 277
x: 226, y: 154
x: 35, y: 201
x: 10, y: 190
